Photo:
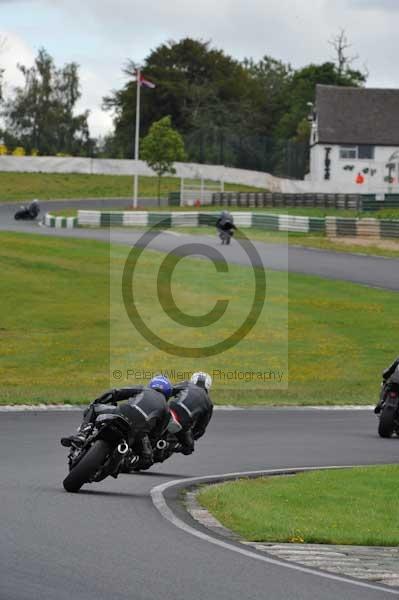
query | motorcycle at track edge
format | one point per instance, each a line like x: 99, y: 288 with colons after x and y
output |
x: 25, y: 214
x: 389, y: 414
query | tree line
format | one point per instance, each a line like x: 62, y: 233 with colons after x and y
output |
x: 249, y: 114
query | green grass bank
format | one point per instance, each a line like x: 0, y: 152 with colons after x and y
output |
x: 353, y: 506
x: 53, y: 186
x: 61, y: 332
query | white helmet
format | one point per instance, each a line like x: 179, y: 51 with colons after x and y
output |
x: 202, y: 380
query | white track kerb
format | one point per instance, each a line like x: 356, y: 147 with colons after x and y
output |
x: 158, y: 499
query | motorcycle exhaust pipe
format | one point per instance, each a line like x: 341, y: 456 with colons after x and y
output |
x: 123, y: 448
x: 161, y: 444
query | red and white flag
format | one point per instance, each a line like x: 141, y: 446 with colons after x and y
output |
x: 145, y: 82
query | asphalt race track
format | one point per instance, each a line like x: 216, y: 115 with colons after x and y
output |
x: 368, y: 270
x: 110, y: 542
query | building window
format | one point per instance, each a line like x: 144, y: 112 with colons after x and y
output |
x: 362, y: 151
x: 348, y: 152
x: 365, y: 151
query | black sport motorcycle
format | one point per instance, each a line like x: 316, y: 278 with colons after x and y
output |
x: 389, y: 408
x: 162, y: 449
x: 226, y: 235
x: 27, y: 213
x: 102, y: 453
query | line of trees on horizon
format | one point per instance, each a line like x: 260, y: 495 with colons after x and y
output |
x: 238, y: 113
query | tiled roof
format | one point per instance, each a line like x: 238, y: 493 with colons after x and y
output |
x: 348, y: 115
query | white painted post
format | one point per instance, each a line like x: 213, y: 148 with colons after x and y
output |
x: 181, y: 190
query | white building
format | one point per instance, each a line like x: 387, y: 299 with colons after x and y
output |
x: 354, y: 143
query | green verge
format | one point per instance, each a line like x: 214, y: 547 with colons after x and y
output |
x: 321, y: 242
x: 54, y: 327
x: 305, y: 240
x: 53, y: 186
x: 356, y: 506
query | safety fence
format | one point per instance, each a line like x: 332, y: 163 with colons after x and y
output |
x: 359, y: 202
x: 280, y: 200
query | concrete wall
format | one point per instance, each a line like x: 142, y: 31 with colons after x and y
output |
x: 102, y: 166
x: 341, y: 182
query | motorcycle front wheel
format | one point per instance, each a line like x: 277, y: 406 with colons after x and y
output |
x: 87, y: 467
x: 386, y: 425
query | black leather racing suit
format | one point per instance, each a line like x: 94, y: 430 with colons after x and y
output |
x: 390, y: 370
x: 147, y: 411
x: 193, y: 408
x: 225, y: 223
x: 33, y: 209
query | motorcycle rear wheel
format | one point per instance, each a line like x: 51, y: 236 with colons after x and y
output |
x: 386, y: 425
x: 86, y: 467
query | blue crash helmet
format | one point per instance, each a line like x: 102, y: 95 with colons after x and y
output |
x: 161, y: 384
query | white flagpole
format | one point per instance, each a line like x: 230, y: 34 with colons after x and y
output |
x: 136, y: 139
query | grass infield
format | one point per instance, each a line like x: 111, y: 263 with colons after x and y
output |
x: 353, y: 506
x: 54, y: 327
x: 53, y: 186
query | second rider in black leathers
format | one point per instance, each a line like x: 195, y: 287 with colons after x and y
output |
x: 191, y: 406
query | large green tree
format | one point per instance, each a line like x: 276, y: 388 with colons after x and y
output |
x: 199, y: 86
x: 41, y: 113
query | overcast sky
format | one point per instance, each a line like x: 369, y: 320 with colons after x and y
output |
x: 100, y: 35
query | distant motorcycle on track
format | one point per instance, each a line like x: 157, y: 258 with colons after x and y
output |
x: 29, y: 212
x: 225, y: 227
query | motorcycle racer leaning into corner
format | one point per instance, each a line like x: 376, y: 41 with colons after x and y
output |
x: 190, y: 404
x: 34, y: 209
x: 386, y: 379
x: 187, y: 416
x: 225, y: 225
x: 146, y: 408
